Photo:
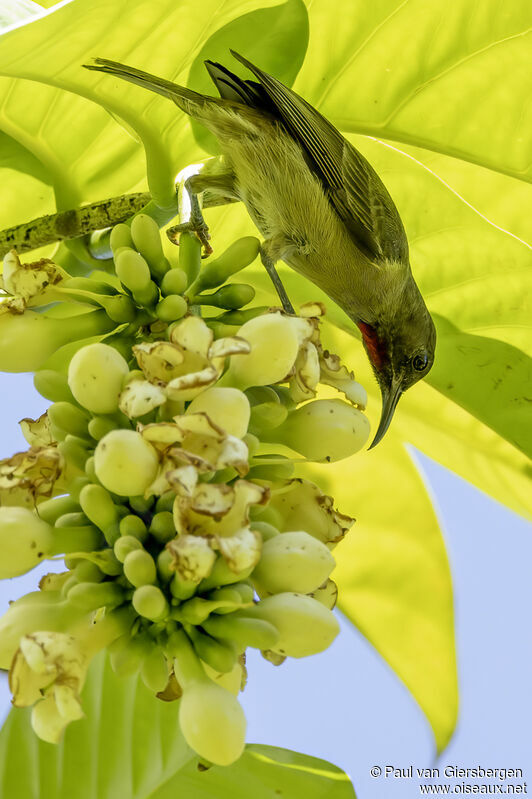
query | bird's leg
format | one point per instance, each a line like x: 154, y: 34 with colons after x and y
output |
x: 220, y: 185
x: 269, y: 264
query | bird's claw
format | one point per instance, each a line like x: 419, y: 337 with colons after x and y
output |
x: 194, y: 226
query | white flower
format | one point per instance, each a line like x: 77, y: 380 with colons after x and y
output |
x: 49, y: 669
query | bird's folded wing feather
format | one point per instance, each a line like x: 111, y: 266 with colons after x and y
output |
x: 356, y: 192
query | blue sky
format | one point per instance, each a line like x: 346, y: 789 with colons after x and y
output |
x: 346, y: 705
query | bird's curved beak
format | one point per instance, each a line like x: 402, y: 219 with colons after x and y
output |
x: 390, y: 398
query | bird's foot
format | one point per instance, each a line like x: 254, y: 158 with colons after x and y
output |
x: 199, y: 227
x: 195, y: 224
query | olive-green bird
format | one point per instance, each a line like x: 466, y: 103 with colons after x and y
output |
x: 321, y: 208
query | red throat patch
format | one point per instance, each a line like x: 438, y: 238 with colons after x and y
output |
x: 375, y: 347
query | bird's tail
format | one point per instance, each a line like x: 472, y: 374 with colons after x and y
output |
x: 189, y: 101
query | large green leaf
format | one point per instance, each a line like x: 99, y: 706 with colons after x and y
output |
x: 452, y: 77
x: 446, y: 78
x: 262, y: 772
x: 84, y: 151
x: 129, y: 745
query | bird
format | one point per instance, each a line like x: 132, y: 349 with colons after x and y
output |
x: 320, y: 207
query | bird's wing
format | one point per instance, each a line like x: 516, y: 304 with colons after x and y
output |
x: 356, y: 192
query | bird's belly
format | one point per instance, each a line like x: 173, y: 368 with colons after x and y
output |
x: 287, y: 203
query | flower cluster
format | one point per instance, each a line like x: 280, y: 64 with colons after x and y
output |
x: 164, y: 472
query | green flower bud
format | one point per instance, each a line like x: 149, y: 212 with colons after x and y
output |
x: 90, y: 471
x: 274, y: 346
x: 141, y: 504
x: 132, y: 269
x: 150, y: 602
x: 212, y: 722
x: 105, y: 560
x: 266, y: 530
x: 147, y: 297
x: 239, y: 255
x: 227, y: 407
x: 219, y: 655
x: 165, y: 502
x: 52, y: 385
x: 229, y: 297
x: 91, y: 596
x: 293, y: 561
x: 29, y: 339
x: 273, y: 472
x: 305, y: 626
x: 24, y: 541
x: 99, y: 426
x: 164, y: 563
x: 222, y: 574
x: 162, y: 527
x: 125, y: 462
x: 75, y: 451
x: 267, y: 416
x: 95, y: 376
x: 52, y: 509
x: 323, y: 430
x: 255, y: 632
x: 211, y: 719
x: 120, y: 308
x: 68, y: 585
x: 126, y: 654
x: 87, y: 572
x: 154, y: 670
x: 180, y: 588
x: 231, y: 319
x: 252, y: 443
x: 139, y: 568
x: 244, y: 589
x: 171, y: 308
x: 147, y: 240
x: 98, y: 506
x: 174, y: 282
x: 120, y: 237
x: 124, y: 545
x: 74, y: 519
x: 189, y: 255
x: 132, y: 525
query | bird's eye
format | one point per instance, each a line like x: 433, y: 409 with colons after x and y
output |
x: 419, y: 362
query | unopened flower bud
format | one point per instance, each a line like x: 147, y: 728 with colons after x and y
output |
x: 323, y: 430
x: 227, y: 407
x: 293, y: 561
x: 24, y: 541
x: 305, y: 626
x: 139, y: 568
x: 274, y: 345
x: 95, y: 376
x: 125, y: 462
x: 149, y: 601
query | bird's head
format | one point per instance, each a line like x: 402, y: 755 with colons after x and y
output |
x: 401, y: 352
